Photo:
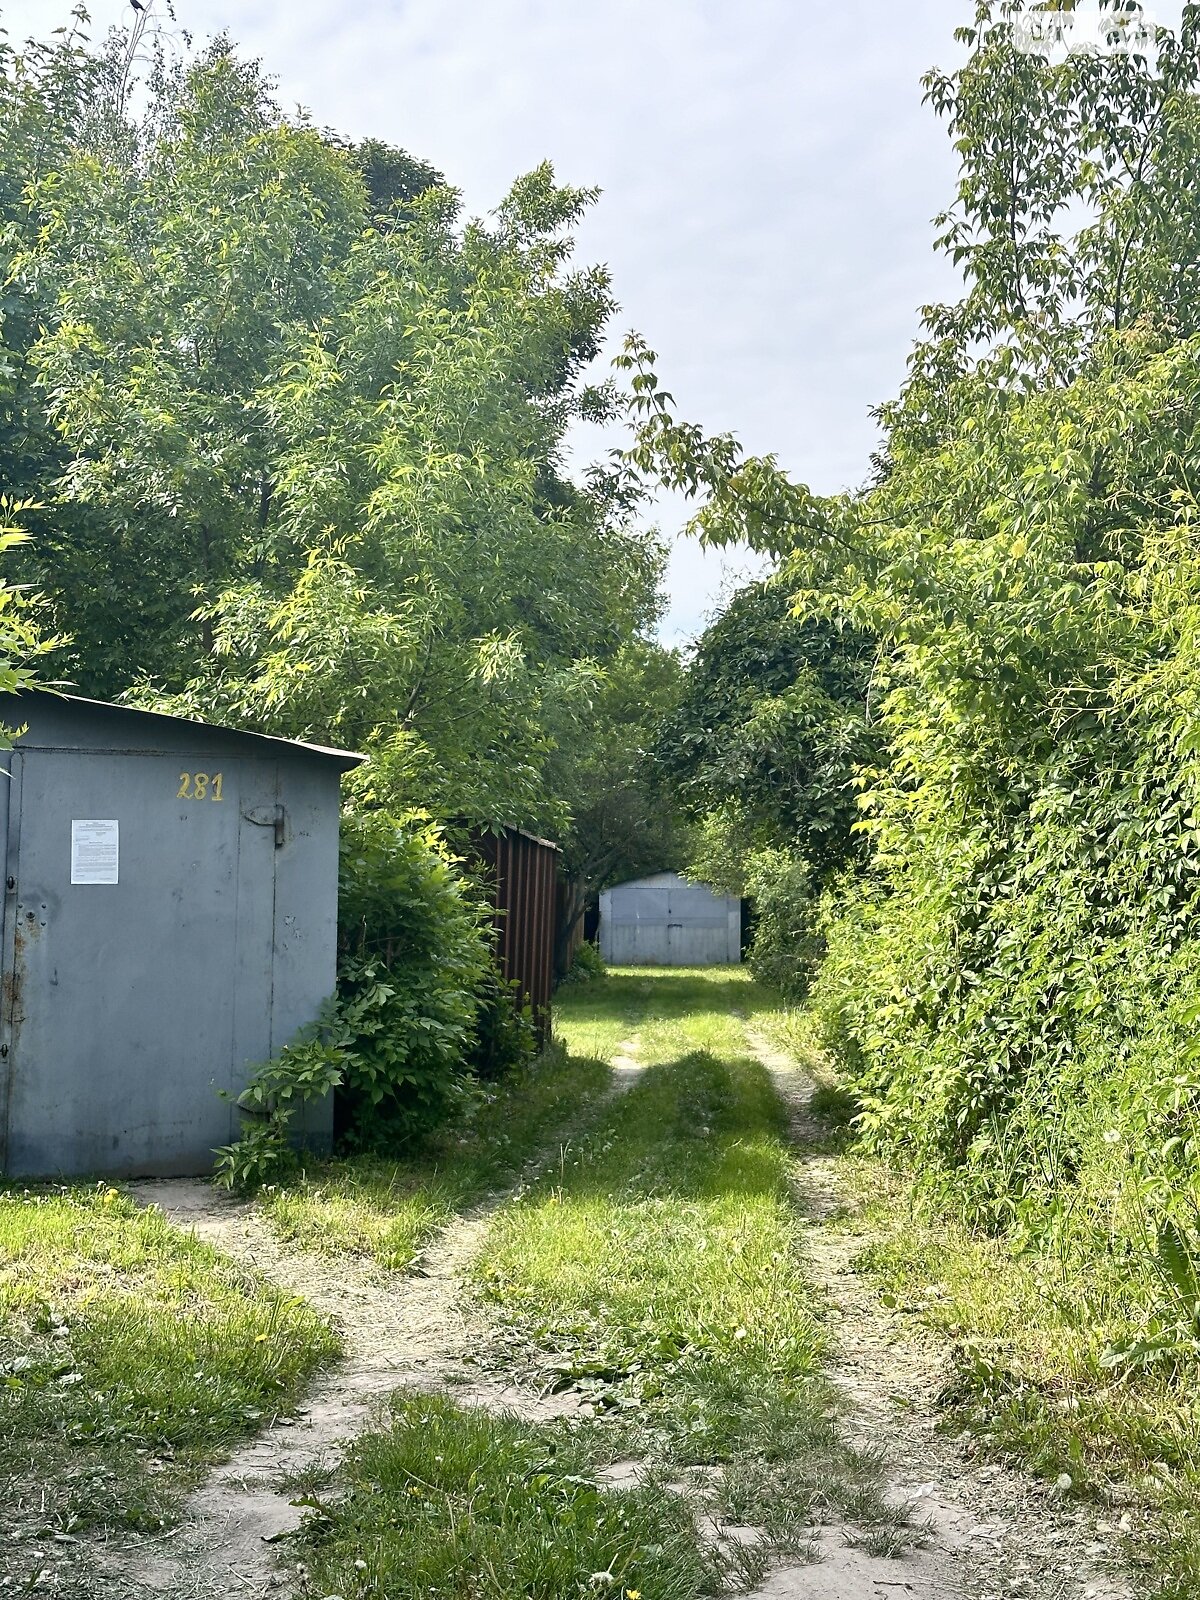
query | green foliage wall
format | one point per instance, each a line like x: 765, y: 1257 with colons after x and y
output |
x: 1033, y: 931
x: 1011, y: 978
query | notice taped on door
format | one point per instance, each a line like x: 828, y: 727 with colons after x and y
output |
x: 95, y: 852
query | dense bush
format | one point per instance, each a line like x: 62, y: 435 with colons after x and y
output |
x: 1017, y: 987
x: 506, y: 1035
x: 587, y: 965
x: 786, y: 945
x: 414, y: 961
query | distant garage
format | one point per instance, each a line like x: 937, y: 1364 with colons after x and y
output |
x: 665, y: 921
x: 169, y: 921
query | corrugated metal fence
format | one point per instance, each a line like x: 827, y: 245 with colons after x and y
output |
x: 522, y: 872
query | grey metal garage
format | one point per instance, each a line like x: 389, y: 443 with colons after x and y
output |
x: 664, y: 920
x: 169, y: 920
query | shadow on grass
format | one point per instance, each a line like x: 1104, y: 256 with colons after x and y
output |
x: 658, y: 1272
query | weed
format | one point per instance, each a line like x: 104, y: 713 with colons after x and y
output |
x: 587, y: 966
x: 891, y: 1535
x: 309, y: 1479
x: 470, y: 1506
x: 744, y: 1563
x: 1046, y: 1364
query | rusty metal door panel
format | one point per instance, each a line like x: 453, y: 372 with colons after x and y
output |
x: 128, y: 1005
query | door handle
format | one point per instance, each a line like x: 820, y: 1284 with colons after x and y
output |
x: 270, y: 817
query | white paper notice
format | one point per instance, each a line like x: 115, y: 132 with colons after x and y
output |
x: 95, y: 852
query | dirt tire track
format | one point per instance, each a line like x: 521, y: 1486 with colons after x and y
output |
x: 414, y: 1329
x: 996, y: 1534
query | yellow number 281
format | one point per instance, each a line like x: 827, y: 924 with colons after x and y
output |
x: 201, y: 786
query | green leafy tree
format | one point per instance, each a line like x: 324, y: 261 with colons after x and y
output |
x: 22, y: 641
x: 763, y: 754
x: 1012, y: 978
x: 45, y: 94
x: 298, y: 429
x: 178, y: 258
x: 620, y: 827
x: 770, y: 729
x: 394, y: 179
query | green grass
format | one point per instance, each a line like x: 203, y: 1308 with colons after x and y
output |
x: 388, y: 1210
x: 130, y: 1354
x: 658, y: 1267
x: 1029, y: 1376
x: 1032, y: 1327
x: 466, y: 1506
x: 669, y: 1009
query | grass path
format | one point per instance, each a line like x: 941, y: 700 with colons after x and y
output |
x: 389, y: 1211
x: 413, y: 1335
x: 631, y: 1359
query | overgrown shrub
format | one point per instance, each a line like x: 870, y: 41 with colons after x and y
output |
x: 415, y: 974
x: 414, y: 959
x: 587, y: 965
x: 785, y: 940
x: 786, y: 945
x: 1015, y: 992
x: 506, y: 1036
x: 308, y: 1069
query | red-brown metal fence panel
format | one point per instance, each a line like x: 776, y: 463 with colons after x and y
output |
x: 522, y: 872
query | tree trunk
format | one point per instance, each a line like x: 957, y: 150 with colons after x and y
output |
x: 574, y: 904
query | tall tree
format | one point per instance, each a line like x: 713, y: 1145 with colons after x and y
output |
x: 298, y: 430
x: 769, y: 731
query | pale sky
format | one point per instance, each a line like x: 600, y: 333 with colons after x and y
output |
x: 769, y: 178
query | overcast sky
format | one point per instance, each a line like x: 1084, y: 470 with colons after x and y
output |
x: 769, y: 176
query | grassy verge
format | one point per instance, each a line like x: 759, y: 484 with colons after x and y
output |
x: 388, y: 1210
x: 1034, y: 1325
x: 468, y: 1506
x: 657, y: 1268
x: 1032, y: 1378
x: 130, y: 1354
